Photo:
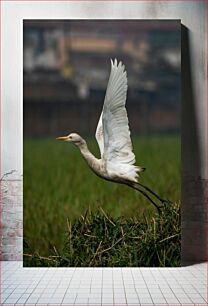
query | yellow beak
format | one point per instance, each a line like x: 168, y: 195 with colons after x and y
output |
x: 64, y: 138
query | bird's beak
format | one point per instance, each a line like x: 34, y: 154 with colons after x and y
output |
x: 64, y: 138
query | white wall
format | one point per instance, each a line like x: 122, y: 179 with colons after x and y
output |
x: 194, y: 104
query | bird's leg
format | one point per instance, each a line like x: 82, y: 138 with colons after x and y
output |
x: 152, y: 192
x: 146, y: 195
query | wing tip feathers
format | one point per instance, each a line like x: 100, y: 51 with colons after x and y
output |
x: 117, y: 64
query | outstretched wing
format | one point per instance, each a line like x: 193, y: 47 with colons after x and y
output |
x: 117, y: 141
x: 113, y: 133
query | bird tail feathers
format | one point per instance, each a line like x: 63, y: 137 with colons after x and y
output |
x: 133, y: 172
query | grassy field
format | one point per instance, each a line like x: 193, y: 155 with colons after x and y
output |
x: 58, y: 186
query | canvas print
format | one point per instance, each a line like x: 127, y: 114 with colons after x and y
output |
x: 102, y: 185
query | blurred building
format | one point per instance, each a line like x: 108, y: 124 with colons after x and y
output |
x: 67, y: 65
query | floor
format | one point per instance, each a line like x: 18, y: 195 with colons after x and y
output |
x: 103, y: 286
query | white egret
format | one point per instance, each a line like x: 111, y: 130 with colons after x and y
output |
x: 113, y: 136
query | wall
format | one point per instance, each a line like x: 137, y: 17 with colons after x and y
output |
x: 194, y: 108
x: 11, y: 219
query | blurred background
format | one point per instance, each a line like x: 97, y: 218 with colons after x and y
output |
x: 66, y: 70
x: 67, y: 65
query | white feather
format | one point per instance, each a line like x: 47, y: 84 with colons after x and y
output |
x: 112, y: 133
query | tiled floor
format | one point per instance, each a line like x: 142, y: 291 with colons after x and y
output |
x: 115, y: 286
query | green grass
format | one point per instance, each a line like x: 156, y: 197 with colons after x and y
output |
x: 97, y: 240
x: 58, y: 186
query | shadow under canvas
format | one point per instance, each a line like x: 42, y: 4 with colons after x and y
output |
x: 194, y: 203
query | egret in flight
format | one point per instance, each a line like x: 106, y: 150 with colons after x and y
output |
x: 117, y: 162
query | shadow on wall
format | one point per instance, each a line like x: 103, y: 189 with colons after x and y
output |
x: 194, y: 208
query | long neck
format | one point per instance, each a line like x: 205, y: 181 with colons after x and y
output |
x: 88, y: 156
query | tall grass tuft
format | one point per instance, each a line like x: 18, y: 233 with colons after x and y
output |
x: 98, y: 240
